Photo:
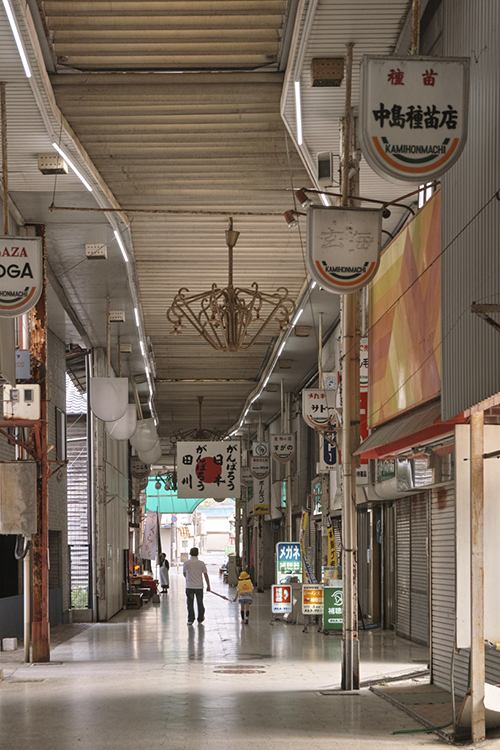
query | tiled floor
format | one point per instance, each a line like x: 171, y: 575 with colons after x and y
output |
x: 146, y: 679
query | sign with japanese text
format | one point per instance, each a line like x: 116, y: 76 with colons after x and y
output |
x: 261, y: 495
x: 333, y: 606
x: 246, y: 476
x: 208, y: 469
x: 281, y: 599
x: 288, y: 562
x: 260, y: 449
x: 138, y: 468
x: 315, y: 409
x: 343, y: 246
x: 283, y: 447
x: 21, y: 274
x: 260, y: 466
x: 149, y: 547
x: 413, y: 115
x: 312, y: 599
x: 327, y: 452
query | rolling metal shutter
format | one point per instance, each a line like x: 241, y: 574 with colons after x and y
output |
x: 403, y: 579
x: 443, y: 600
x: 419, y: 609
x: 412, y: 583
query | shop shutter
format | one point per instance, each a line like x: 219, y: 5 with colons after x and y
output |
x: 443, y: 600
x: 403, y: 580
x: 419, y: 575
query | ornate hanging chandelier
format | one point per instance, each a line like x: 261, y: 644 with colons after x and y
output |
x: 197, y: 433
x: 231, y: 319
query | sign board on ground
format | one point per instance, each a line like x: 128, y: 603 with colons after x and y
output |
x: 312, y: 599
x: 281, y: 599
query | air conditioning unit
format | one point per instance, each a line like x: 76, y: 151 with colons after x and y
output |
x: 21, y: 401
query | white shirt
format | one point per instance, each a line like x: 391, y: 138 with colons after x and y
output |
x: 194, y: 569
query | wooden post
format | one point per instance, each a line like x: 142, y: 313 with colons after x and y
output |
x: 477, y: 677
x: 40, y: 540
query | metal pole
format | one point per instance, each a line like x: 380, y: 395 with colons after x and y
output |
x: 350, y: 435
x: 5, y: 174
x: 415, y: 28
x: 40, y: 540
x: 478, y: 728
x: 288, y: 475
x: 320, y: 351
x: 108, y: 333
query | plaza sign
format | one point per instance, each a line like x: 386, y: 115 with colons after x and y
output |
x: 413, y: 115
x: 21, y: 274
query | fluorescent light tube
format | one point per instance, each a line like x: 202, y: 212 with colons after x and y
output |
x: 142, y: 348
x: 70, y: 163
x: 297, y: 316
x: 324, y: 200
x: 122, y: 246
x: 136, y: 313
x: 17, y: 37
x: 298, y: 113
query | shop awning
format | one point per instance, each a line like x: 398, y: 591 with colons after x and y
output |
x: 416, y: 428
x: 166, y: 501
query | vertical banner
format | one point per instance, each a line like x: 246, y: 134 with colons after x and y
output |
x: 208, y: 469
x: 261, y: 496
x: 332, y: 549
x: 362, y: 470
x: 149, y: 547
x: 308, y: 576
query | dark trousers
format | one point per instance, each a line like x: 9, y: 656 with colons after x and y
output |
x: 190, y: 595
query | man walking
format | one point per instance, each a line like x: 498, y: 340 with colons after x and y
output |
x: 194, y: 570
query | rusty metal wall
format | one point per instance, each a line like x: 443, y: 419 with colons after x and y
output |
x: 471, y: 216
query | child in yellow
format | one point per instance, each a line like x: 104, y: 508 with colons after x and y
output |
x: 244, y: 595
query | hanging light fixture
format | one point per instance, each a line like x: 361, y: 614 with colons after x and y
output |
x: 197, y: 433
x: 232, y: 318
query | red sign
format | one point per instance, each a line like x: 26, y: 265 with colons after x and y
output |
x: 281, y: 599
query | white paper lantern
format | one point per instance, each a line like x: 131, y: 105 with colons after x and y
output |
x: 152, y: 456
x: 108, y: 398
x: 123, y: 428
x: 145, y: 436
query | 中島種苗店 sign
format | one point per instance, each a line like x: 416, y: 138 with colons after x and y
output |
x: 413, y: 115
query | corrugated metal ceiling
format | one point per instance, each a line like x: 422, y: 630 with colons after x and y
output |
x: 177, y: 104
x: 194, y: 142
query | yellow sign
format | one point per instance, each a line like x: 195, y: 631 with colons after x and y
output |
x: 261, y: 509
x: 312, y: 599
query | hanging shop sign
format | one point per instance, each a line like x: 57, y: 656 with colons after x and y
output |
x: 343, y: 246
x: 21, y: 274
x: 281, y: 599
x: 288, y: 563
x: 246, y: 476
x: 260, y: 449
x: 208, y: 469
x: 316, y: 410
x: 312, y: 599
x: 261, y: 496
x: 327, y: 452
x: 260, y: 466
x: 283, y: 447
x: 413, y: 115
x: 138, y: 468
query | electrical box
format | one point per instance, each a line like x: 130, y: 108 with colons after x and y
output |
x: 117, y: 316
x: 18, y: 498
x: 97, y: 251
x: 52, y: 164
x: 21, y: 401
x: 325, y: 168
x: 327, y: 71
x: 126, y: 348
